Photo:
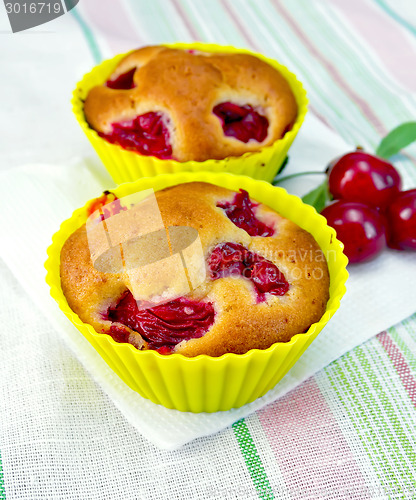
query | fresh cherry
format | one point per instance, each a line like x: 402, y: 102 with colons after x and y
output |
x: 401, y: 216
x: 361, y: 177
x: 360, y: 227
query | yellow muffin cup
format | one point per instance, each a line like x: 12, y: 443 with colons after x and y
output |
x: 204, y: 383
x: 126, y: 166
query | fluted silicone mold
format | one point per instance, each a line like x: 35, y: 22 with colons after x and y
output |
x: 126, y: 166
x: 204, y: 383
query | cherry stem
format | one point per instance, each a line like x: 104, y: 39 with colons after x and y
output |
x: 291, y: 176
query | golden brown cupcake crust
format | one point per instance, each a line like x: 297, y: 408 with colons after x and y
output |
x: 240, y: 322
x: 185, y: 87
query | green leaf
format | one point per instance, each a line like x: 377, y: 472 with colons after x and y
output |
x: 318, y: 197
x: 397, y: 139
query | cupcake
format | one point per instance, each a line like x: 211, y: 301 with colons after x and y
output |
x: 211, y: 278
x: 259, y: 279
x: 190, y: 107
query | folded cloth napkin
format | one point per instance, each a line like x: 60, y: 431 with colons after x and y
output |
x: 35, y: 199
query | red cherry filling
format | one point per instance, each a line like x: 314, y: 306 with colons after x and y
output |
x: 146, y: 134
x: 162, y: 326
x: 232, y: 259
x: 241, y: 122
x: 241, y: 212
x: 123, y: 81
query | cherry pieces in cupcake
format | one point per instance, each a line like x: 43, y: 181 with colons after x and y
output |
x: 265, y: 279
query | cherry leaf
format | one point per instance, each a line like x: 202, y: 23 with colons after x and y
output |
x: 318, y: 197
x: 397, y: 139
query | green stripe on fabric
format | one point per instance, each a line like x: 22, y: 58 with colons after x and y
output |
x: 373, y: 415
x: 398, y: 436
x: 345, y: 392
x: 388, y: 10
x: 252, y: 460
x: 89, y: 36
x: 2, y: 488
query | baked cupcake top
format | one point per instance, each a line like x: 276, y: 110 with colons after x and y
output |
x: 191, y: 105
x: 265, y: 279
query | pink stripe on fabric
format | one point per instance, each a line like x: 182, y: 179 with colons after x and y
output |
x: 311, y: 451
x: 399, y: 362
x: 113, y: 23
x: 321, y: 117
x: 194, y: 34
x: 385, y: 37
x: 332, y: 70
x: 240, y: 26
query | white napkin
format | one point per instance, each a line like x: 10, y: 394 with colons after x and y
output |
x: 35, y: 199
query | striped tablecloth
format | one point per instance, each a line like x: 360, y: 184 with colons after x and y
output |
x: 349, y: 431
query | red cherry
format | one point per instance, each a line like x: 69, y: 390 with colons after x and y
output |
x: 364, y: 178
x: 147, y: 134
x: 401, y: 216
x: 360, y: 227
x: 241, y: 211
x: 232, y: 259
x: 163, y: 326
x: 267, y: 278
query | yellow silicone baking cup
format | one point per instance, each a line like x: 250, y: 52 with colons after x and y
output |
x: 126, y: 166
x: 204, y: 383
